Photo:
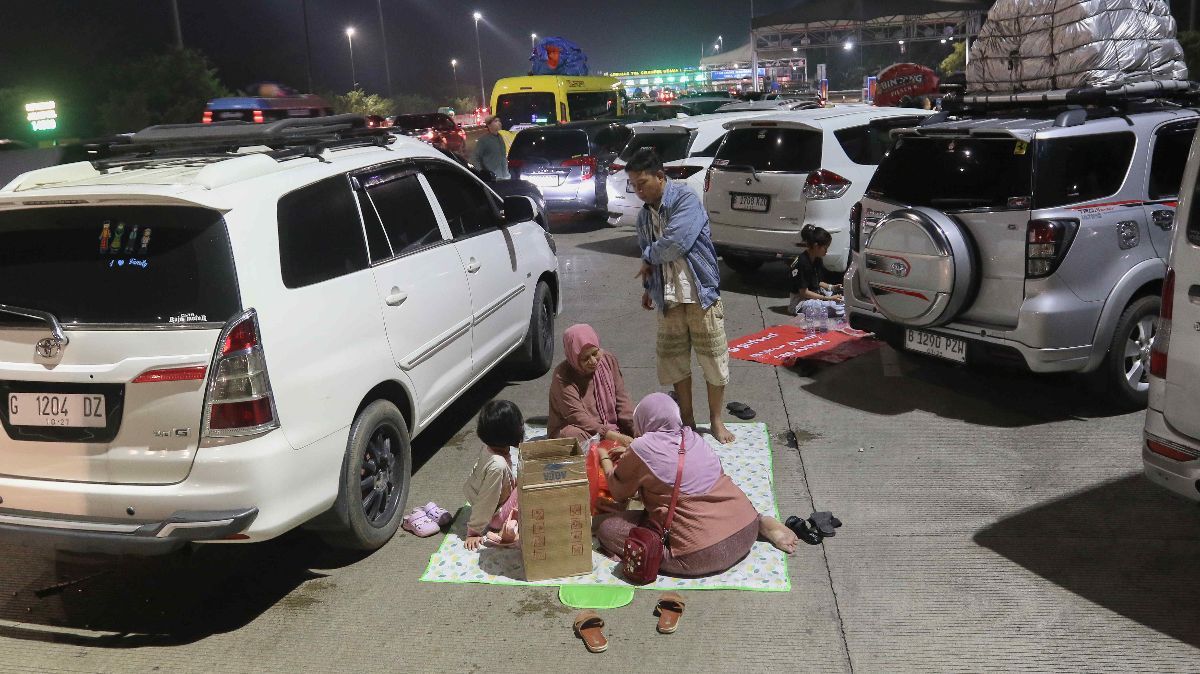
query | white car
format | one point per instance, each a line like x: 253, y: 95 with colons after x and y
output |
x: 1171, y: 440
x: 199, y: 344
x: 686, y: 147
x: 774, y: 174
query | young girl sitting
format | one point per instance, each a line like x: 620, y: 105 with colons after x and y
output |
x: 809, y: 269
x: 491, y: 487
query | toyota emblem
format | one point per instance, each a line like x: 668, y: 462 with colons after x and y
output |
x: 48, y: 347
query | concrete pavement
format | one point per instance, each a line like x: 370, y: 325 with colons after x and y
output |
x: 993, y: 521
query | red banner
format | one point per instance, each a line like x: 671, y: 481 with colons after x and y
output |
x: 783, y: 345
x: 904, y: 79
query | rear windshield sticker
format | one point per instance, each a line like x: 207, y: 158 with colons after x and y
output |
x: 189, y: 318
x: 133, y: 237
x: 116, y: 242
x: 1020, y: 147
x: 145, y: 241
x: 105, y: 237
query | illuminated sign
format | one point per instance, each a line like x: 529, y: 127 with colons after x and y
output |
x: 42, y: 116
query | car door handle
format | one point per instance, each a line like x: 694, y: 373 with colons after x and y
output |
x: 1163, y: 219
x: 472, y: 266
x: 396, y: 297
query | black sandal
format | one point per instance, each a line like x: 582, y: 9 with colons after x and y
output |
x: 803, y: 532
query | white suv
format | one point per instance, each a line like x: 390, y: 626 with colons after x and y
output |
x: 774, y: 174
x: 203, y: 338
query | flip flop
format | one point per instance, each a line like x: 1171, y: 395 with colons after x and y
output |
x: 736, y: 407
x: 669, y: 611
x: 746, y: 414
x: 589, y: 626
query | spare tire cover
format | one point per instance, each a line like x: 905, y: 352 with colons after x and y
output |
x: 919, y: 267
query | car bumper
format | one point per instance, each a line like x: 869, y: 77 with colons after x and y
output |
x: 769, y: 244
x: 1180, y: 477
x: 623, y: 210
x: 121, y: 538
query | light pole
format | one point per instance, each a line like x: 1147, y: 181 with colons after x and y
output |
x: 454, y: 69
x: 353, y: 75
x: 533, y: 41
x: 479, y: 52
x: 387, y: 68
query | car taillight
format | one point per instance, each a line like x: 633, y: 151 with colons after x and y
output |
x: 240, y: 401
x: 825, y: 184
x: 207, y: 117
x: 1171, y: 450
x: 515, y: 164
x: 682, y: 172
x: 428, y: 135
x: 855, y: 226
x: 462, y: 134
x: 587, y: 163
x: 1162, y: 334
x: 615, y: 168
x: 258, y: 117
x: 1046, y: 245
x: 708, y: 179
x: 185, y: 373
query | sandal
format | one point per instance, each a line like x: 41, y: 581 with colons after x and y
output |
x: 669, y: 611
x: 803, y: 531
x: 438, y: 514
x: 419, y: 524
x: 746, y: 413
x: 736, y: 407
x: 589, y: 626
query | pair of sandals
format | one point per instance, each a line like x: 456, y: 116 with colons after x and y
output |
x: 589, y: 626
x: 427, y: 520
x: 818, y: 526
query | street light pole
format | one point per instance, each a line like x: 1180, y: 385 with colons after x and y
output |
x: 307, y: 46
x: 178, y: 25
x: 387, y: 69
x: 353, y: 75
x: 454, y: 69
x: 532, y: 41
x: 479, y: 52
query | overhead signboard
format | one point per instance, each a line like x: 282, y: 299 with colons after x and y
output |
x: 42, y: 115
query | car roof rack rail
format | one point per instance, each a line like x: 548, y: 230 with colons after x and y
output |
x: 1114, y: 95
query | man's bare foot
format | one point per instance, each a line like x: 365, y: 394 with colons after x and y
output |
x: 780, y: 536
x: 721, y: 433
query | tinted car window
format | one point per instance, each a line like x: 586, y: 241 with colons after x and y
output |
x: 868, y: 143
x: 400, y: 203
x: 594, y: 105
x: 434, y: 121
x: 1080, y: 168
x: 611, y: 139
x: 711, y: 149
x: 320, y: 235
x: 1171, y: 146
x: 118, y: 264
x: 468, y: 206
x: 669, y: 146
x: 549, y: 144
x: 770, y: 149
x: 950, y: 173
x: 531, y: 108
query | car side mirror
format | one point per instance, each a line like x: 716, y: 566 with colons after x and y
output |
x: 518, y: 209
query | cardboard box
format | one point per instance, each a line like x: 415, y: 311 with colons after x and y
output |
x: 554, y: 512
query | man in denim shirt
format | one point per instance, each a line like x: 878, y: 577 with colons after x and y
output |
x: 680, y: 277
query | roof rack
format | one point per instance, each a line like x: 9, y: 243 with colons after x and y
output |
x: 287, y: 139
x: 1114, y: 95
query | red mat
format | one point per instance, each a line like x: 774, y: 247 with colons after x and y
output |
x: 783, y: 345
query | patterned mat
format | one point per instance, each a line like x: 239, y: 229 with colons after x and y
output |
x: 747, y: 461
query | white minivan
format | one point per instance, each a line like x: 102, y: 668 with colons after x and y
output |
x: 218, y: 333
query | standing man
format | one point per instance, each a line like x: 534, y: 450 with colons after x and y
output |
x: 491, y: 153
x: 680, y: 277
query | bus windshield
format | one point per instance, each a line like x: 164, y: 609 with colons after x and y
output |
x: 535, y: 107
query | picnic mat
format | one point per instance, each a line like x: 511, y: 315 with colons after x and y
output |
x: 783, y: 345
x: 747, y: 461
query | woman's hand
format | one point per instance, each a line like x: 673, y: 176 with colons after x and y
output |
x: 617, y: 436
x: 474, y: 543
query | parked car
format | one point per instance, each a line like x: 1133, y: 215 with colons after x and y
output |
x: 437, y: 129
x: 773, y: 174
x: 1028, y: 234
x: 568, y: 163
x: 658, y: 111
x: 227, y: 348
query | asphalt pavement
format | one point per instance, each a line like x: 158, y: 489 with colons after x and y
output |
x: 993, y: 522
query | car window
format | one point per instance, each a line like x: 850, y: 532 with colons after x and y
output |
x: 1171, y: 146
x: 320, y: 234
x: 868, y: 143
x: 468, y: 206
x: 955, y: 173
x: 671, y: 146
x: 530, y: 108
x: 549, y: 144
x: 397, y: 200
x: 1080, y: 168
x: 118, y: 264
x: 711, y: 149
x: 770, y: 149
x: 612, y: 139
x: 592, y: 105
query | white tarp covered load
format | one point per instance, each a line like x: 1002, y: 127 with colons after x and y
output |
x: 1030, y: 45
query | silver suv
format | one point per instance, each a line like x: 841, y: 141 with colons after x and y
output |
x: 1029, y: 232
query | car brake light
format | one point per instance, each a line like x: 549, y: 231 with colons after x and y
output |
x: 1046, y: 245
x: 240, y: 401
x: 186, y: 373
x: 1171, y: 450
x: 616, y: 168
x: 1162, y: 333
x: 207, y: 118
x: 428, y: 135
x: 587, y: 163
x: 258, y: 117
x: 708, y: 179
x: 514, y: 164
x: 855, y: 226
x: 825, y: 184
x: 682, y: 172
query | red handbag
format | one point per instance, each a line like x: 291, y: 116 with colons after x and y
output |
x: 644, y: 547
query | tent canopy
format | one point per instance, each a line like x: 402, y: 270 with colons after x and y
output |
x: 864, y: 10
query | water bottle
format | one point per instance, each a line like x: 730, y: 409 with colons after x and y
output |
x: 810, y: 319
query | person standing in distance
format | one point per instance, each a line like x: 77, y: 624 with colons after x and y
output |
x: 491, y: 153
x: 681, y: 279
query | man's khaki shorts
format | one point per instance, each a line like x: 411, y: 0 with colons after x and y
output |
x: 685, y: 328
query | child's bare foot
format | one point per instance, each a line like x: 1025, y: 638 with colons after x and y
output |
x: 780, y: 536
x: 721, y: 433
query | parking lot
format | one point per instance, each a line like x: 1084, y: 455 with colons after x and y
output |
x: 993, y: 521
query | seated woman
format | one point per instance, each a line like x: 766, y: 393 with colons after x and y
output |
x: 587, y: 395
x: 715, y: 523
x: 808, y: 270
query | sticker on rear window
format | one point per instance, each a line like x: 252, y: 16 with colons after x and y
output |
x: 1020, y: 147
x: 189, y: 318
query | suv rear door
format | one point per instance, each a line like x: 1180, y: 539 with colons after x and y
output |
x: 142, y: 292
x: 1183, y: 350
x: 759, y: 172
x: 549, y: 157
x: 1168, y: 158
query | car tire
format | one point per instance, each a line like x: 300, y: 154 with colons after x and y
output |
x: 536, y: 354
x: 365, y: 515
x: 1123, y: 373
x: 742, y: 264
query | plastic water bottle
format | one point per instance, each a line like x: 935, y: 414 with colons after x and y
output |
x: 810, y: 319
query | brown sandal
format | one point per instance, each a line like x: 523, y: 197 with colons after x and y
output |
x: 589, y: 626
x: 669, y: 611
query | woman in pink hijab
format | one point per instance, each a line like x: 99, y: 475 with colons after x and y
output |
x: 587, y: 395
x: 715, y: 523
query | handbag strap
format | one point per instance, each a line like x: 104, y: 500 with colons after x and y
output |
x: 666, y: 536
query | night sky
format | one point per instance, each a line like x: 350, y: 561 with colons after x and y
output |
x: 46, y: 41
